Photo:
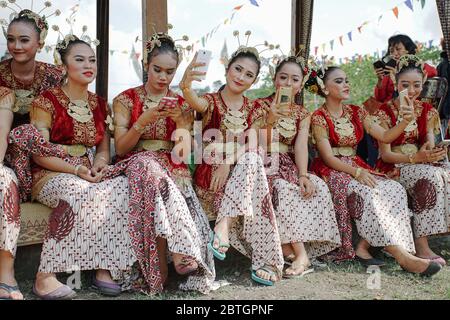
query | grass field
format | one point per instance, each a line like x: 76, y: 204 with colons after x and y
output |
x: 346, y: 281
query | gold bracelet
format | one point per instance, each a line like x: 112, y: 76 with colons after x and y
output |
x: 77, y: 168
x: 358, y: 173
x: 103, y: 158
x: 411, y: 158
x: 140, y: 129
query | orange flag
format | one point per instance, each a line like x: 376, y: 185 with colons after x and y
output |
x: 395, y: 12
x: 238, y: 7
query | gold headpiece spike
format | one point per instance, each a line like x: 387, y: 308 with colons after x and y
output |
x: 236, y: 34
x: 269, y: 47
x: 47, y: 4
x: 248, y: 34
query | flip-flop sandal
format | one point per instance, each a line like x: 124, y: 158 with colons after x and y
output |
x: 106, y: 288
x: 307, y: 270
x: 9, y: 289
x: 62, y: 293
x: 262, y: 281
x: 219, y: 255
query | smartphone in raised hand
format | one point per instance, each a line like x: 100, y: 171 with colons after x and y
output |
x: 203, y: 56
x: 284, y: 98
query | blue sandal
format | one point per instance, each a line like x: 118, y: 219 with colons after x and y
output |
x: 262, y: 281
x: 9, y: 289
x: 219, y: 255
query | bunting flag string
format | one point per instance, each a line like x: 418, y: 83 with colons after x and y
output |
x: 395, y: 10
x: 226, y: 21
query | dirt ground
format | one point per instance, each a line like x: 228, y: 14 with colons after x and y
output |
x: 347, y: 281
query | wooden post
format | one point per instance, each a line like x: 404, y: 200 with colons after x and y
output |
x: 103, y: 48
x: 154, y: 18
x: 302, y: 17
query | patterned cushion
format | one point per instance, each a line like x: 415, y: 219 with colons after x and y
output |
x: 34, y: 221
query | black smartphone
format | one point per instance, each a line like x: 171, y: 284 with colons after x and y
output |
x: 379, y: 64
x: 391, y: 63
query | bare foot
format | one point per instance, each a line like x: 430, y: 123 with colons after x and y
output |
x: 424, y: 251
x: 362, y: 250
x: 8, y: 294
x: 298, y: 266
x: 268, y: 273
x: 7, y: 277
x: 46, y: 283
x: 221, y: 240
x: 184, y: 264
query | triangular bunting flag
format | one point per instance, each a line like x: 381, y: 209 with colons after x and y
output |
x: 332, y: 44
x: 226, y: 21
x: 324, y: 45
x: 238, y: 7
x: 423, y: 3
x: 341, y: 40
x: 409, y: 4
x: 350, y: 36
x: 253, y: 2
x: 430, y: 44
x: 316, y: 50
x: 379, y: 18
x: 395, y: 10
x: 360, y: 29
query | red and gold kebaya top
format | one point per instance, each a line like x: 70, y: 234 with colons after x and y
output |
x: 230, y: 123
x: 427, y: 118
x: 289, y: 127
x: 46, y: 77
x: 157, y: 137
x: 344, y: 135
x: 53, y: 111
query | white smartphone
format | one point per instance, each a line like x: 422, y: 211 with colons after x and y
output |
x: 203, y: 56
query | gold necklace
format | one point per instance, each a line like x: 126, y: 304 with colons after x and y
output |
x: 151, y: 101
x: 342, y: 124
x: 234, y: 120
x: 24, y: 98
x: 79, y: 109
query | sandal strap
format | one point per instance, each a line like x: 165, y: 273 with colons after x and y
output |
x: 8, y: 288
x: 269, y: 270
x: 221, y: 243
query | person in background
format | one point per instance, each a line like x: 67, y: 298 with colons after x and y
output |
x: 398, y: 46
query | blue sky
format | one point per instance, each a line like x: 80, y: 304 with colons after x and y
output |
x: 271, y: 22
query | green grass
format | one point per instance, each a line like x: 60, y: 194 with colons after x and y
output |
x: 344, y: 281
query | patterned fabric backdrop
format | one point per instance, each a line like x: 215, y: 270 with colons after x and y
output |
x: 444, y: 15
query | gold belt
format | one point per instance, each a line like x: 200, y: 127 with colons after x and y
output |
x: 221, y: 147
x: 278, y: 147
x: 406, y: 149
x: 154, y: 145
x: 75, y: 150
x: 344, y: 152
